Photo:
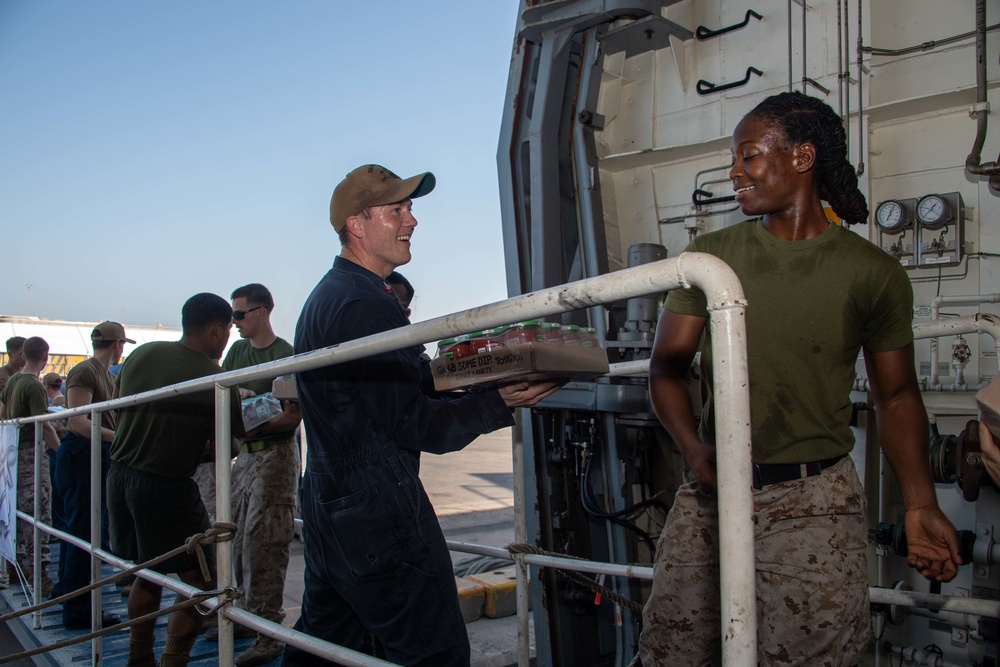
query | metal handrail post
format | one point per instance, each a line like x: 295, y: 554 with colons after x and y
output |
x: 520, y: 536
x: 36, y: 533
x: 522, y: 607
x: 737, y: 569
x: 224, y: 513
x: 96, y: 530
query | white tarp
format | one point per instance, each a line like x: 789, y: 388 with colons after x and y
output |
x: 73, y: 338
x: 8, y: 492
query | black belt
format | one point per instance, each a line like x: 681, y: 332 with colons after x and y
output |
x: 765, y: 474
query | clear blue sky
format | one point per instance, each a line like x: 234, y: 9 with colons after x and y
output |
x: 153, y: 150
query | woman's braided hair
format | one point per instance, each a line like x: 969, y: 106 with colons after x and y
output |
x: 808, y: 119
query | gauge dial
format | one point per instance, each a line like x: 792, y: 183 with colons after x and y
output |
x: 891, y: 216
x: 933, y: 211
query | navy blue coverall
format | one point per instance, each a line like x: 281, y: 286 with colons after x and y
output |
x: 375, y: 557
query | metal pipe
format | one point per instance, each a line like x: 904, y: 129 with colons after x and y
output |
x: 918, y: 655
x: 789, y: 45
x: 925, y: 46
x: 316, y: 646
x: 223, y: 512
x: 981, y: 110
x: 96, y: 645
x: 654, y: 277
x: 861, y: 102
x: 737, y: 571
x: 840, y: 69
x: 637, y: 367
x: 975, y: 606
x: 593, y: 567
x: 958, y: 300
x: 805, y: 75
x: 697, y: 214
x: 36, y: 533
x: 955, y: 620
x: 319, y: 647
x: 563, y: 563
x: 887, y: 596
x: 846, y: 29
x: 520, y: 536
x: 585, y: 176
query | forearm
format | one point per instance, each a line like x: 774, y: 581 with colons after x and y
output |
x: 672, y: 405
x: 288, y: 420
x: 81, y: 425
x: 50, y: 437
x: 903, y: 429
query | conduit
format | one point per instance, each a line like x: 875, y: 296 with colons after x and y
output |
x: 982, y: 323
x: 919, y: 656
x: 982, y: 108
x: 861, y: 103
x: 958, y: 605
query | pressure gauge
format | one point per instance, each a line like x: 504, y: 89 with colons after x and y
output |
x: 891, y: 216
x: 933, y: 211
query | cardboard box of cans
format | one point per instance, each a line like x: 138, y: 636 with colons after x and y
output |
x: 514, y: 354
x: 284, y: 388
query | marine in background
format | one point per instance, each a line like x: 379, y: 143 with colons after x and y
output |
x: 265, y: 477
x: 15, y: 359
x: 24, y: 396
x: 88, y: 382
x: 153, y: 503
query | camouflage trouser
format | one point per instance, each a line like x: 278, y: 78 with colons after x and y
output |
x: 812, y: 592
x: 26, y: 504
x: 265, y: 484
x: 204, y: 477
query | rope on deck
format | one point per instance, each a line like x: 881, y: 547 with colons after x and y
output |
x: 219, y: 532
x: 577, y: 577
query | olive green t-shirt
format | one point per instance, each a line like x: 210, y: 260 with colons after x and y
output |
x: 811, y: 306
x: 243, y: 355
x: 92, y: 376
x: 25, y: 396
x: 5, y: 375
x: 167, y: 437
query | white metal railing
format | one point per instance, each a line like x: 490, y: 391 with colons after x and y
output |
x: 726, y: 306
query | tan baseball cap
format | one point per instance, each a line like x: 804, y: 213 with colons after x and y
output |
x: 372, y: 185
x: 109, y: 331
x: 52, y: 379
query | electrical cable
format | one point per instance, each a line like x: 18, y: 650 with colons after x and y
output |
x: 642, y: 505
x: 616, y: 517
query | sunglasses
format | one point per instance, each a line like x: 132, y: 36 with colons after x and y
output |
x: 240, y: 314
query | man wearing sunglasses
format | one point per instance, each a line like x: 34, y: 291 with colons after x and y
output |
x: 265, y: 477
x: 375, y: 558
